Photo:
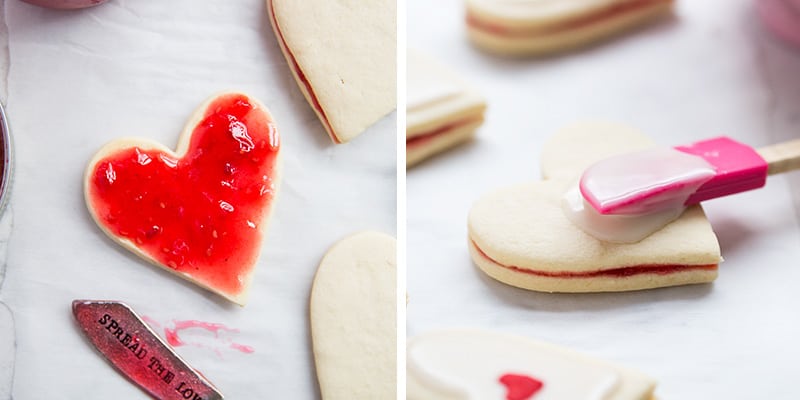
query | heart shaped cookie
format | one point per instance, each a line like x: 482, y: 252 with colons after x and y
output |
x: 519, y: 235
x: 343, y: 56
x: 441, y: 110
x: 472, y: 364
x: 534, y: 27
x: 353, y: 311
x: 200, y: 211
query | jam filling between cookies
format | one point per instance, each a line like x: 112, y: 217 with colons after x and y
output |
x: 613, y: 11
x: 302, y: 77
x: 621, y: 272
x: 426, y: 137
x: 199, y: 214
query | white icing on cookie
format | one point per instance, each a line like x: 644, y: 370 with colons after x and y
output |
x: 621, y: 180
x: 426, y: 86
x: 614, y: 228
x: 635, y: 183
x: 466, y: 365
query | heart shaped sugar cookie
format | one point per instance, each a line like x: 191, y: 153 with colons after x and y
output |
x: 199, y: 212
x: 519, y: 235
x: 342, y: 54
x: 536, y: 27
x: 473, y: 364
x: 353, y: 312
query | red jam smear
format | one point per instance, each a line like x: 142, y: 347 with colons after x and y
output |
x: 174, y: 339
x: 520, y: 387
x: 622, y: 272
x: 580, y: 22
x: 199, y: 214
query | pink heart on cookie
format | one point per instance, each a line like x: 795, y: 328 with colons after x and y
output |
x: 473, y: 364
x: 199, y: 211
x: 520, y: 387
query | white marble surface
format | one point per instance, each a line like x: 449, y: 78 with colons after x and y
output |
x: 711, y: 70
x: 7, y: 334
x: 132, y: 67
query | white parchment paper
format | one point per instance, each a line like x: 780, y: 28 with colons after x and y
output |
x: 710, y: 70
x: 138, y: 68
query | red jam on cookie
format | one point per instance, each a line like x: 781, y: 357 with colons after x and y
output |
x: 302, y: 77
x: 421, y: 139
x: 619, y: 272
x: 199, y: 213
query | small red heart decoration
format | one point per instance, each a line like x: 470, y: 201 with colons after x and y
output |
x: 520, y: 387
x: 200, y: 211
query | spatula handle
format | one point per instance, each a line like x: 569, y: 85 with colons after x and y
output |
x: 781, y: 157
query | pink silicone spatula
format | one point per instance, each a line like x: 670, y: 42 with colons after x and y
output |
x: 657, y: 179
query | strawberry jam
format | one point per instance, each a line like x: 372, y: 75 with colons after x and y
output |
x: 199, y: 213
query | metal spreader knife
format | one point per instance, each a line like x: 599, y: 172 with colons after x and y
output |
x: 138, y: 353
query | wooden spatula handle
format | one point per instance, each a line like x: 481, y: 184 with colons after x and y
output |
x: 781, y: 157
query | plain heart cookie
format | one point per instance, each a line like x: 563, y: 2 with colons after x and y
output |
x: 354, y: 318
x: 200, y: 211
x: 461, y: 364
x: 520, y: 236
x: 342, y: 54
x: 534, y: 27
